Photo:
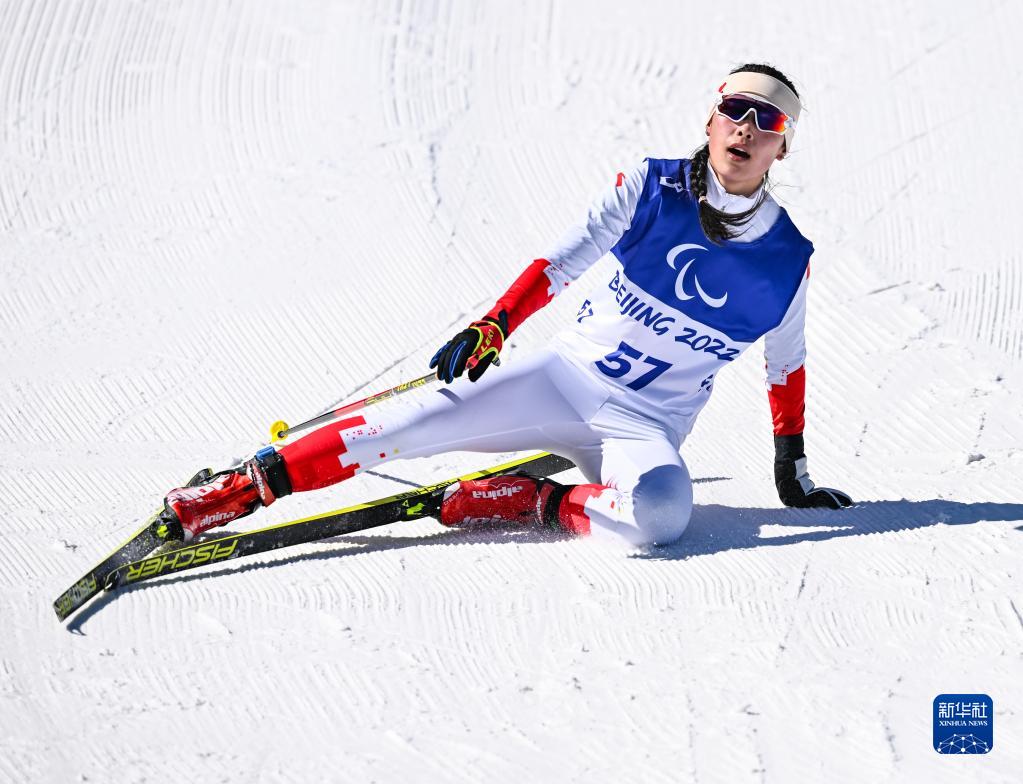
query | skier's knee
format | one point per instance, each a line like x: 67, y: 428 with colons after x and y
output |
x: 662, y: 503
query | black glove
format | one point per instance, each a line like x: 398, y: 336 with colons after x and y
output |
x: 472, y: 349
x: 795, y: 488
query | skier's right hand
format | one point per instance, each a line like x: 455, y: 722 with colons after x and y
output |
x: 474, y: 349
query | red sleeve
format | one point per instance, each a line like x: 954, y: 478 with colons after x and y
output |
x: 788, y: 403
x: 530, y: 292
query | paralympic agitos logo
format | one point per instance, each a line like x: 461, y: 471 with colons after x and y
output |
x: 680, y: 282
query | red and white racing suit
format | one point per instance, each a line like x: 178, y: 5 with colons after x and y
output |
x: 623, y: 432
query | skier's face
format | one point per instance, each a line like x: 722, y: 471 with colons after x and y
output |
x: 742, y: 174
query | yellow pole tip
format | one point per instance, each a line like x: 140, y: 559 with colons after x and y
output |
x: 277, y: 429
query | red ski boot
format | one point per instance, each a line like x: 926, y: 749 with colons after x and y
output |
x: 522, y: 500
x: 226, y: 496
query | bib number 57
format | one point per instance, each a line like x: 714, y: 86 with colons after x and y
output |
x: 618, y: 363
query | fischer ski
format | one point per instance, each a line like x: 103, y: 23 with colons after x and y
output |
x: 141, y: 544
x: 410, y: 505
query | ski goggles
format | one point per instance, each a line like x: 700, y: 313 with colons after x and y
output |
x: 768, y: 117
x: 767, y: 97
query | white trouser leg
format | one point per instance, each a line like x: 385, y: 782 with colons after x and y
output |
x: 540, y: 402
x: 641, y: 492
x: 649, y: 495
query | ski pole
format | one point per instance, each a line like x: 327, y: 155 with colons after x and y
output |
x: 280, y: 429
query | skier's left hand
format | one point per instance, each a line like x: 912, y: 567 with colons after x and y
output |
x: 795, y: 488
x: 473, y: 349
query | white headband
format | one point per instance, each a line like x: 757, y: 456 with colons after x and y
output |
x: 770, y: 89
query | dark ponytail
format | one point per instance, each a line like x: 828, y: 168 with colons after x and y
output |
x: 718, y: 226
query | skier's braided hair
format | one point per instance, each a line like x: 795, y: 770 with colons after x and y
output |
x: 721, y: 226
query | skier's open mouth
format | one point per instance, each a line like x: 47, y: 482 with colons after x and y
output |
x: 738, y: 154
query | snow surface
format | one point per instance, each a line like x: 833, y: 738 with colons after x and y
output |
x: 217, y: 214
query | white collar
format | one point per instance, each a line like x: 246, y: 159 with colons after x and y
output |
x: 722, y: 200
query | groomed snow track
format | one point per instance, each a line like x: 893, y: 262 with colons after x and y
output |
x: 216, y: 214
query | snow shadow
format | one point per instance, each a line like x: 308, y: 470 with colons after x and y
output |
x: 715, y: 528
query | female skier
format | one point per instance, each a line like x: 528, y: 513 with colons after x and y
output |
x: 706, y: 263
